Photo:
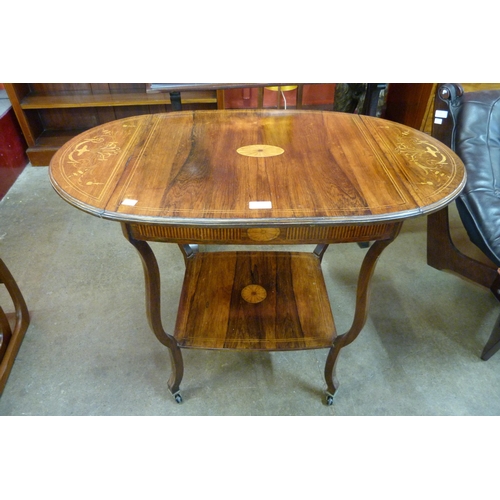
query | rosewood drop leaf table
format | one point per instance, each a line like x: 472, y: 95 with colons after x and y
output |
x: 256, y: 178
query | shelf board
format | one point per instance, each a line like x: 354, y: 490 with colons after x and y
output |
x: 47, y: 144
x: 85, y: 100
x: 56, y: 138
x: 254, y: 301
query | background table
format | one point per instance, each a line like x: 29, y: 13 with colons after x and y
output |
x: 256, y: 177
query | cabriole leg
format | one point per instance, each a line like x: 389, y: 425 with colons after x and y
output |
x: 360, y: 314
x: 153, y: 310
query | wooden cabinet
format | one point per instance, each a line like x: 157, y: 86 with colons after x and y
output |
x: 410, y: 103
x: 51, y: 114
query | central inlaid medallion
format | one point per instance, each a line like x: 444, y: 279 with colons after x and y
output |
x: 263, y: 234
x: 254, y: 294
x: 260, y: 150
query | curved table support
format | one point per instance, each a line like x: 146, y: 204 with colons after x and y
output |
x: 153, y: 310
x: 153, y: 303
x: 360, y: 315
x: 187, y: 178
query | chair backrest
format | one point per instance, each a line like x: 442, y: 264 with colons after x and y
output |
x: 469, y: 122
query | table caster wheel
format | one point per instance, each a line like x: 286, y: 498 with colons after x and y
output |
x: 178, y: 398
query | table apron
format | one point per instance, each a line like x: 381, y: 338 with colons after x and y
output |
x: 288, y: 235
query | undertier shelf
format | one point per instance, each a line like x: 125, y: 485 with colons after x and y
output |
x: 254, y: 301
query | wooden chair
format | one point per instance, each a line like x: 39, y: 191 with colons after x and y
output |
x: 10, y: 339
x: 469, y: 123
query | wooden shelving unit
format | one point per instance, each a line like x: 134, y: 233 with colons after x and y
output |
x: 75, y: 100
x: 51, y: 114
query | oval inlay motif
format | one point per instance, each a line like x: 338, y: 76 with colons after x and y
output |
x: 254, y: 294
x: 260, y: 150
x: 263, y: 233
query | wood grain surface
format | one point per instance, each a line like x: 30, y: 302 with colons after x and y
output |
x: 290, y: 309
x: 183, y: 168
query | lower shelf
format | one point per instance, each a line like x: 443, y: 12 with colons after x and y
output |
x: 254, y: 301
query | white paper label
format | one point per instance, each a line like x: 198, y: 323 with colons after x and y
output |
x: 260, y: 204
x: 129, y: 202
x: 441, y: 113
x: 438, y: 121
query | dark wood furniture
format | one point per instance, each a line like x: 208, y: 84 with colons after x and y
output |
x: 256, y: 178
x: 410, y: 103
x: 50, y: 114
x: 13, y: 326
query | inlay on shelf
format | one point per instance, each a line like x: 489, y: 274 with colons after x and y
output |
x: 256, y: 177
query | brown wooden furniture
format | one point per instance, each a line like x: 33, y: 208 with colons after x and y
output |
x: 410, y: 103
x: 261, y: 178
x: 11, y: 338
x: 50, y: 114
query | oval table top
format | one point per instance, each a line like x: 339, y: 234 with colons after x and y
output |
x: 256, y: 167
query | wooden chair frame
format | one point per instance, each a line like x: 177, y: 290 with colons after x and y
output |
x: 10, y: 339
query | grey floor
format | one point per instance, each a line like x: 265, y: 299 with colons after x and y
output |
x: 89, y: 350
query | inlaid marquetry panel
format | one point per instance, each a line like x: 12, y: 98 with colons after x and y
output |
x: 248, y: 236
x: 184, y: 234
x: 93, y: 160
x: 334, y: 234
x: 254, y: 300
x: 187, y: 168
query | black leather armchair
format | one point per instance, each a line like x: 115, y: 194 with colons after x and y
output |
x: 470, y: 124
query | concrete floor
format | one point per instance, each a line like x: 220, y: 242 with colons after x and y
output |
x: 89, y: 350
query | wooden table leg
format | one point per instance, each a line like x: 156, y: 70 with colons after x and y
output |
x: 360, y: 313
x: 153, y: 310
